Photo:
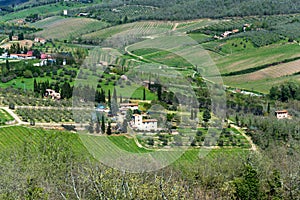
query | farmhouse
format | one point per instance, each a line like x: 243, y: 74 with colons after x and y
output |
x: 21, y: 22
x: 52, y: 94
x: 45, y: 56
x: 143, y: 124
x: 124, y: 77
x: 148, y: 84
x: 40, y: 40
x: 103, y: 63
x: 83, y: 14
x: 226, y: 34
x: 15, y: 38
x: 127, y: 106
x: 28, y: 55
x: 282, y: 114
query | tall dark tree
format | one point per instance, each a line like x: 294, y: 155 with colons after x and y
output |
x: 237, y: 121
x: 7, y: 65
x: 10, y: 35
x: 206, y: 115
x: 115, y: 94
x: 159, y: 92
x: 192, y: 114
x: 109, y: 129
x: 103, y: 124
x: 144, y: 94
x: 21, y: 36
x: 109, y: 99
x: 91, y: 126
x: 97, y: 129
x: 66, y: 91
x: 35, y: 86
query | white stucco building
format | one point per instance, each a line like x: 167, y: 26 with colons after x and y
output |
x: 143, y: 124
x: 52, y: 94
x: 127, y: 106
x: 282, y: 114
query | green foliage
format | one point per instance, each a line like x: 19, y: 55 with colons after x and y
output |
x: 206, y: 115
x: 286, y: 91
x: 247, y: 187
x: 261, y: 38
x: 28, y: 74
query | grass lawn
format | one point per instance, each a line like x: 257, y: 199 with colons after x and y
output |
x: 24, y: 83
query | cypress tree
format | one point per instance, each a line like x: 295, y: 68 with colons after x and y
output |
x: 206, y: 115
x: 159, y: 92
x: 109, y: 99
x: 115, y: 94
x: 144, y: 94
x: 109, y: 129
x: 103, y: 124
x: 35, y: 87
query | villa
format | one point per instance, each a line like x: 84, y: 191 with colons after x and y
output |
x: 282, y: 114
x: 139, y: 122
x: 52, y: 94
x: 127, y: 106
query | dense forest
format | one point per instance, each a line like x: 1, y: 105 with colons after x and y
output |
x: 115, y: 11
x: 11, y: 2
x: 192, y: 9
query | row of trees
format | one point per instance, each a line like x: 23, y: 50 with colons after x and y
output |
x: 286, y: 91
x: 65, y: 89
x: 184, y: 10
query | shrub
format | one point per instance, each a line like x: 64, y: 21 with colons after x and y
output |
x: 28, y: 74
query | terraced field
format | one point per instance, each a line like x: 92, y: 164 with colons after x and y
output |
x: 271, y: 72
x: 47, y: 21
x: 17, y: 137
x: 41, y: 10
x: 255, y: 57
x: 195, y: 24
x: 149, y: 27
x: 261, y: 85
x: 63, y: 28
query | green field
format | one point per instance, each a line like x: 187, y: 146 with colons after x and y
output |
x: 262, y: 85
x: 66, y: 28
x: 195, y: 24
x: 18, y: 136
x: 144, y: 27
x: 254, y: 57
x: 41, y: 10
